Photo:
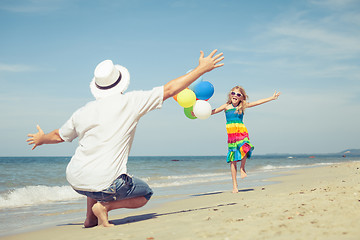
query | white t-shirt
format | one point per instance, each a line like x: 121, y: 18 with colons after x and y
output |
x: 106, y: 129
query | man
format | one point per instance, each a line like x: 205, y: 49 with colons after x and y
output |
x: 106, y: 129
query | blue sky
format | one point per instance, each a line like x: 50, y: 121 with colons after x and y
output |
x: 308, y: 50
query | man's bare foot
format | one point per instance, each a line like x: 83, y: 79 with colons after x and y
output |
x: 90, y: 222
x: 243, y: 173
x: 235, y: 190
x: 101, y: 213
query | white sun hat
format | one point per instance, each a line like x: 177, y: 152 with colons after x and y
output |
x: 109, y: 79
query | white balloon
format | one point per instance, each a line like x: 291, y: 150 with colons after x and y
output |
x: 202, y: 109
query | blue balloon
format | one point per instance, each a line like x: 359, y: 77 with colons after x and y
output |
x: 194, y: 84
x: 197, y: 81
x: 204, y: 90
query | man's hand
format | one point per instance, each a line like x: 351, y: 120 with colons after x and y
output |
x: 40, y: 138
x: 210, y: 62
x: 36, y: 138
x: 206, y: 64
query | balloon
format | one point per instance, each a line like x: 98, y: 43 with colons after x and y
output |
x: 175, y: 97
x: 194, y: 84
x: 204, y: 90
x: 188, y: 112
x: 197, y: 81
x: 186, y: 98
x: 202, y: 109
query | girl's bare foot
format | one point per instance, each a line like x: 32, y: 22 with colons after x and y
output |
x: 101, y: 213
x: 235, y: 190
x: 243, y: 173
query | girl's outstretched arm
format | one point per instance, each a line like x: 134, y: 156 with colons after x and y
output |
x: 219, y: 109
x: 262, y: 101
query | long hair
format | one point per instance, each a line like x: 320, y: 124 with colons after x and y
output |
x: 242, y: 105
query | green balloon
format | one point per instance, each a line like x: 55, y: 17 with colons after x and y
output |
x: 188, y: 112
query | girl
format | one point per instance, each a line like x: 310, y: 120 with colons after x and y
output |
x: 239, y: 144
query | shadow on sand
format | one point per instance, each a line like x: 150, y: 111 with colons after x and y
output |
x: 143, y: 217
x: 148, y: 216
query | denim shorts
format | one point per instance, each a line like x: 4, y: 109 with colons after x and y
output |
x: 123, y: 187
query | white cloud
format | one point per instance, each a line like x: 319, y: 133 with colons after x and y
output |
x: 352, y: 18
x: 16, y: 68
x: 318, y: 41
x: 334, y: 4
x: 311, y: 45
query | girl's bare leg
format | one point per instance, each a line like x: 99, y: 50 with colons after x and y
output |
x: 242, y: 167
x: 233, y: 175
x: 101, y: 209
x: 91, y: 220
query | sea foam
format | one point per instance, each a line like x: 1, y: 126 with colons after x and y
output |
x: 34, y: 195
x: 182, y: 180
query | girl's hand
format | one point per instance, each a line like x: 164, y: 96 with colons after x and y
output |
x: 276, y: 95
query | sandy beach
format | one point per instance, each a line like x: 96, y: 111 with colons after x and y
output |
x: 312, y: 203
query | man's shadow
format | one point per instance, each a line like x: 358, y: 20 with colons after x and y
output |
x: 133, y: 219
x: 148, y: 216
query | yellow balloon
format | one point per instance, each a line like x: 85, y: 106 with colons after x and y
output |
x: 186, y: 98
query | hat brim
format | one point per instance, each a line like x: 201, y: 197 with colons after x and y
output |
x: 119, y: 88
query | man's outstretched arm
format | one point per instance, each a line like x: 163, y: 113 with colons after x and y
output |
x: 206, y: 64
x: 41, y: 138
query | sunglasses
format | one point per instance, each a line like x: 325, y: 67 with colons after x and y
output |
x: 237, y: 94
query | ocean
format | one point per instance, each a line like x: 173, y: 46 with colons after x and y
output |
x: 34, y: 193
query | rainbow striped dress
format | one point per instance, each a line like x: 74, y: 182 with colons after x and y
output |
x: 238, y: 137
